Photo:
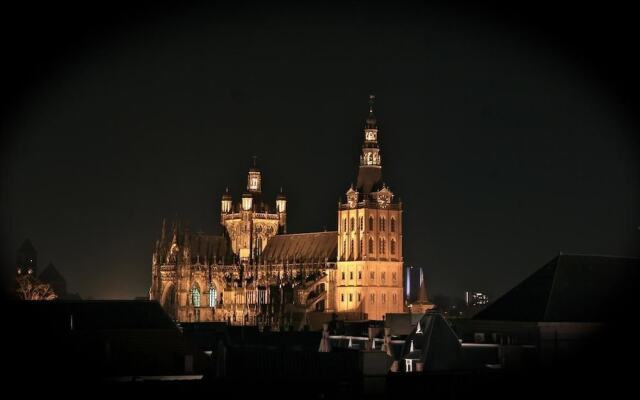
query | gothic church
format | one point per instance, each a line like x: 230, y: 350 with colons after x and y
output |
x: 256, y: 273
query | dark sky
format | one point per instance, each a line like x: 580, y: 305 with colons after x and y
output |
x: 509, y: 134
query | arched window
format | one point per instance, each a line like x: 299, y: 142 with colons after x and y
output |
x: 381, y: 246
x: 392, y: 246
x: 370, y: 223
x: 213, y: 296
x: 382, y: 227
x: 351, y: 248
x: 195, y: 296
x: 392, y: 224
x: 370, y: 245
x: 352, y: 224
x: 361, y: 247
x: 361, y: 223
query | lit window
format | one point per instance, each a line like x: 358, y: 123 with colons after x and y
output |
x: 195, y: 297
x: 213, y: 296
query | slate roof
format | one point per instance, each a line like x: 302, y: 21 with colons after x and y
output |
x: 437, y: 346
x: 369, y: 179
x: 570, y: 288
x: 92, y: 315
x: 302, y: 247
x: 209, y: 247
x: 51, y: 274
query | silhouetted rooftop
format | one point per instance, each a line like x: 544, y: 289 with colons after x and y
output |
x: 570, y: 288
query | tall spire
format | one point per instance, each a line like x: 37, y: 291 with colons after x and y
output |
x: 422, y: 294
x: 371, y: 118
x: 370, y: 172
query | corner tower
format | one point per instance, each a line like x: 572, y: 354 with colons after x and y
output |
x: 369, y: 268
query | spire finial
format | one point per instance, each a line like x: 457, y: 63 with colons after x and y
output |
x: 372, y: 98
x: 254, y: 160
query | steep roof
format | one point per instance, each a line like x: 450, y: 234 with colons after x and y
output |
x: 302, y: 247
x: 369, y: 179
x: 570, y: 288
x: 51, y: 274
x: 439, y: 347
x: 27, y: 247
x: 208, y: 247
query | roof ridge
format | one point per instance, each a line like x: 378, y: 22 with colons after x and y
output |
x: 598, y: 255
x: 304, y: 233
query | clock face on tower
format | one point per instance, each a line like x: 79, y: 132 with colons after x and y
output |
x: 383, y: 199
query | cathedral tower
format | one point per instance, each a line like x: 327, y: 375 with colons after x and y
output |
x: 252, y: 222
x: 369, y: 266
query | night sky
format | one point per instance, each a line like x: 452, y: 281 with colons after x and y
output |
x: 509, y: 134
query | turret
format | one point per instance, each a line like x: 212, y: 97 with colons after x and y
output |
x: 247, y: 201
x: 226, y: 202
x: 254, y: 179
x: 281, y: 208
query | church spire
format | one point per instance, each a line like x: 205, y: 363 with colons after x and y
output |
x: 371, y: 122
x: 370, y: 172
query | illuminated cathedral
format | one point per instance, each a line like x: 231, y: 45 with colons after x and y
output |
x: 257, y: 273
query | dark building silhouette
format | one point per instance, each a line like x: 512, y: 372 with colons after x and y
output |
x: 27, y: 259
x: 54, y: 278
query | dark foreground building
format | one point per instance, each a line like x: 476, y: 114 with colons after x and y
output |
x: 566, y: 331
